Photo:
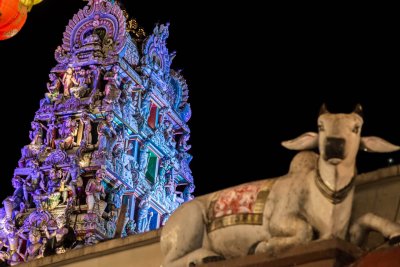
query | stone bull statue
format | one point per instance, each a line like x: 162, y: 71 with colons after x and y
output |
x: 312, y: 202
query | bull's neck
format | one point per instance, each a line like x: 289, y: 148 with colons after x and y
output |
x: 335, y: 180
x: 338, y: 176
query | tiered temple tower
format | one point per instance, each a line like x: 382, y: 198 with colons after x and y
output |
x: 108, y: 153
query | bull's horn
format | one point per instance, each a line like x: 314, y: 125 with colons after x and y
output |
x: 358, y: 110
x: 323, y: 109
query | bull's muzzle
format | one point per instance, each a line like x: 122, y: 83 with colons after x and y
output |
x: 334, y: 149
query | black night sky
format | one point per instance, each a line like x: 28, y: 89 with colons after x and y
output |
x: 257, y: 75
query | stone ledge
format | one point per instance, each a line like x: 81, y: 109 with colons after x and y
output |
x: 100, y: 249
x: 378, y: 175
x: 326, y: 253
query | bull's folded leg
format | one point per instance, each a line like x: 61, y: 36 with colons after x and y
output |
x: 286, y: 234
x: 213, y: 259
x: 194, y: 258
x: 370, y: 221
x: 186, y: 244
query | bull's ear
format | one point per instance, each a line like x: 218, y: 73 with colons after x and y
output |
x: 303, y: 142
x: 377, y: 144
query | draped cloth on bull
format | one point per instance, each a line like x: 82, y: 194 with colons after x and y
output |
x: 243, y: 204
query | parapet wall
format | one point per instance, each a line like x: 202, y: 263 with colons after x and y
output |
x: 140, y: 250
x: 376, y: 191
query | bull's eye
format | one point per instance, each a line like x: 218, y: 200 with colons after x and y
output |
x: 321, y: 127
x: 356, y: 129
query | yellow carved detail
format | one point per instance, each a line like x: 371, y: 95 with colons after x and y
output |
x: 30, y: 3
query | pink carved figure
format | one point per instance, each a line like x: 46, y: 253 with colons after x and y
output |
x: 94, y: 190
x: 14, y: 239
x: 35, y: 246
x: 87, y: 131
x: 68, y: 81
x: 51, y: 132
x: 80, y: 88
x: 36, y: 135
x: 59, y: 235
x: 54, y: 88
x: 68, y: 130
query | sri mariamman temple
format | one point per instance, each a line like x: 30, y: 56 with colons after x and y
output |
x: 108, y: 155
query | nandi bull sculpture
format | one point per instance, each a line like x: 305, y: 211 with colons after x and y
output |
x: 313, y: 201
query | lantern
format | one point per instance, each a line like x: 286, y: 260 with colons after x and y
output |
x: 12, y: 17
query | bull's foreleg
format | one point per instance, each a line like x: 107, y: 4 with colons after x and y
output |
x: 370, y: 221
x: 285, y: 232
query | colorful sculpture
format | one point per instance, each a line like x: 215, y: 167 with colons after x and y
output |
x: 313, y: 201
x: 93, y: 148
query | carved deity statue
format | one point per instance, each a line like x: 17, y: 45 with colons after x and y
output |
x: 36, y: 135
x: 169, y: 133
x: 93, y: 74
x: 126, y: 102
x: 14, y: 240
x: 87, y: 130
x: 170, y: 186
x: 161, y: 115
x: 129, y: 163
x: 144, y: 156
x: 57, y: 237
x: 144, y: 215
x: 80, y: 88
x: 94, y: 190
x: 51, y: 132
x: 32, y: 182
x: 165, y: 165
x: 135, y: 102
x: 182, y: 144
x: 54, y: 88
x: 112, y: 74
x: 68, y: 81
x: 68, y: 130
x: 111, y: 91
x: 74, y: 181
x: 18, y: 195
x: 115, y: 199
x: 145, y: 108
x: 107, y: 136
x: 130, y: 227
x: 35, y: 245
x: 54, y: 180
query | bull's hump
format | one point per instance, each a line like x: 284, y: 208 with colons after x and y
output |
x: 304, y: 161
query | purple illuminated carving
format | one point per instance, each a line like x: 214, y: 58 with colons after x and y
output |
x: 110, y: 135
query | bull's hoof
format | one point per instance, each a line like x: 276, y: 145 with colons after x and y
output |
x: 394, y: 241
x: 213, y: 259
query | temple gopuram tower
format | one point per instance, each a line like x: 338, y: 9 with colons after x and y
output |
x: 108, y: 152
